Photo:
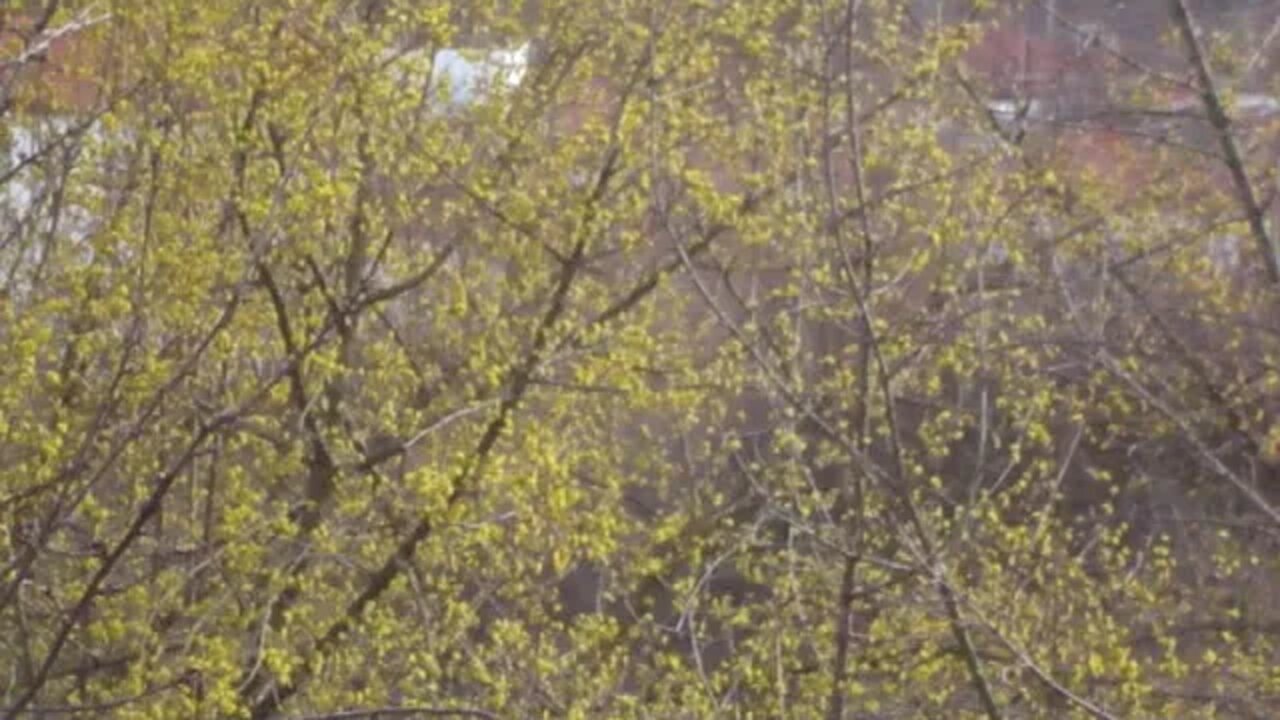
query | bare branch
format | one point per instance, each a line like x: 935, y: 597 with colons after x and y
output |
x: 1213, y: 105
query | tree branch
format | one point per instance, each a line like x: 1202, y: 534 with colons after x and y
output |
x: 1212, y: 100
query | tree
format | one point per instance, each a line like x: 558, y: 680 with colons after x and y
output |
x: 726, y: 358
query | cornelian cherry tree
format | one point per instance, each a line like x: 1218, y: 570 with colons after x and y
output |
x: 633, y: 359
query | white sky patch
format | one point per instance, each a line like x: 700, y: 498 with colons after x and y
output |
x: 465, y: 75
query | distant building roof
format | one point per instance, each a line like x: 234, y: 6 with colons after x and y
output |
x: 50, y: 71
x: 1006, y: 55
